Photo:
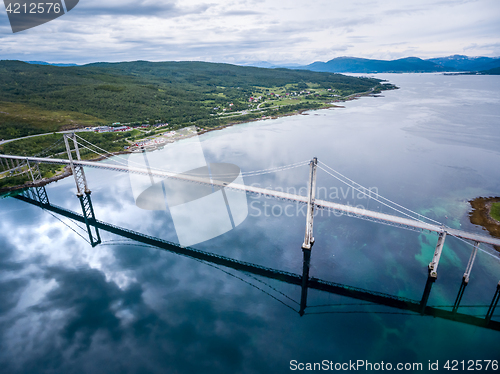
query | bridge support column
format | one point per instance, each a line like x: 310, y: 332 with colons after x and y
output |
x: 2, y: 164
x: 426, y: 294
x: 459, y: 296
x: 471, y: 262
x: 78, y: 173
x: 39, y: 191
x: 82, y: 190
x: 308, y: 238
x: 89, y: 215
x: 305, y: 279
x: 34, y: 171
x: 38, y: 194
x: 43, y: 198
x: 493, y: 304
x: 437, y: 254
x: 465, y: 279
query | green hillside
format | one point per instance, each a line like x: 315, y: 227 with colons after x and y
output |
x: 43, y: 98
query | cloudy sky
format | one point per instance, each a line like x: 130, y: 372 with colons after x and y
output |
x: 277, y: 31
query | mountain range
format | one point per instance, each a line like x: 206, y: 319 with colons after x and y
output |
x: 455, y: 63
x: 403, y: 65
x: 48, y: 63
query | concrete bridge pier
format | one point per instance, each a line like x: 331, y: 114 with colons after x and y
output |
x: 459, y: 296
x: 305, y: 279
x: 465, y: 278
x: 493, y: 304
x: 308, y: 238
x: 471, y: 262
x: 426, y: 294
x: 437, y: 254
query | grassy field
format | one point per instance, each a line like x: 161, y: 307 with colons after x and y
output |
x: 495, y: 211
x: 18, y: 119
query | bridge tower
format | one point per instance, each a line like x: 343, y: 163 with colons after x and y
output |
x: 308, y: 238
x: 465, y: 278
x: 82, y: 190
x: 39, y: 192
x: 437, y: 254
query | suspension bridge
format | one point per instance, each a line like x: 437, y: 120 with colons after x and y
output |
x: 411, y: 220
x: 38, y: 197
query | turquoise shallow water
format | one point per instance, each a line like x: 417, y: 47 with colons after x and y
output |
x: 431, y: 146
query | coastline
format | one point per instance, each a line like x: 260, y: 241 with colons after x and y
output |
x: 43, y: 182
x: 294, y: 113
x: 480, y: 215
x: 67, y: 171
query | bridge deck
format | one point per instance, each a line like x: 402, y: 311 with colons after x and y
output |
x: 383, y: 217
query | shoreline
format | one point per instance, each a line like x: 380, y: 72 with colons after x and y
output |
x: 480, y: 215
x: 67, y: 171
x: 43, y: 182
x: 294, y: 113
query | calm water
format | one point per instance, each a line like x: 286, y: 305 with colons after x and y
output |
x: 122, y: 307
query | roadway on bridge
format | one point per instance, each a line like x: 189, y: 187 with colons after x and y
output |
x: 321, y: 204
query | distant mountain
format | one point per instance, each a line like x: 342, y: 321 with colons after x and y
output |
x: 465, y: 63
x: 48, y: 63
x: 268, y: 65
x: 257, y: 64
x: 402, y: 65
x: 363, y: 65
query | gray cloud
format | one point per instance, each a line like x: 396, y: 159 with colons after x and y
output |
x: 242, y: 13
x: 7, y: 262
x: 10, y: 293
x: 263, y: 30
x: 137, y: 9
x: 473, y: 46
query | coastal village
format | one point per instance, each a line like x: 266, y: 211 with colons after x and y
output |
x: 155, y: 136
x: 160, y: 133
x: 151, y: 134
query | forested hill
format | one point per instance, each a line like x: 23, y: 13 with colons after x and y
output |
x: 208, y: 76
x: 42, y: 98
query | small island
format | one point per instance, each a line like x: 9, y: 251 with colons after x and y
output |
x: 486, y: 213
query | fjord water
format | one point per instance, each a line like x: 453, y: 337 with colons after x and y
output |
x: 430, y: 146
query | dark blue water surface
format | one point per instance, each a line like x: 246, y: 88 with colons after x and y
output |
x: 122, y: 307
